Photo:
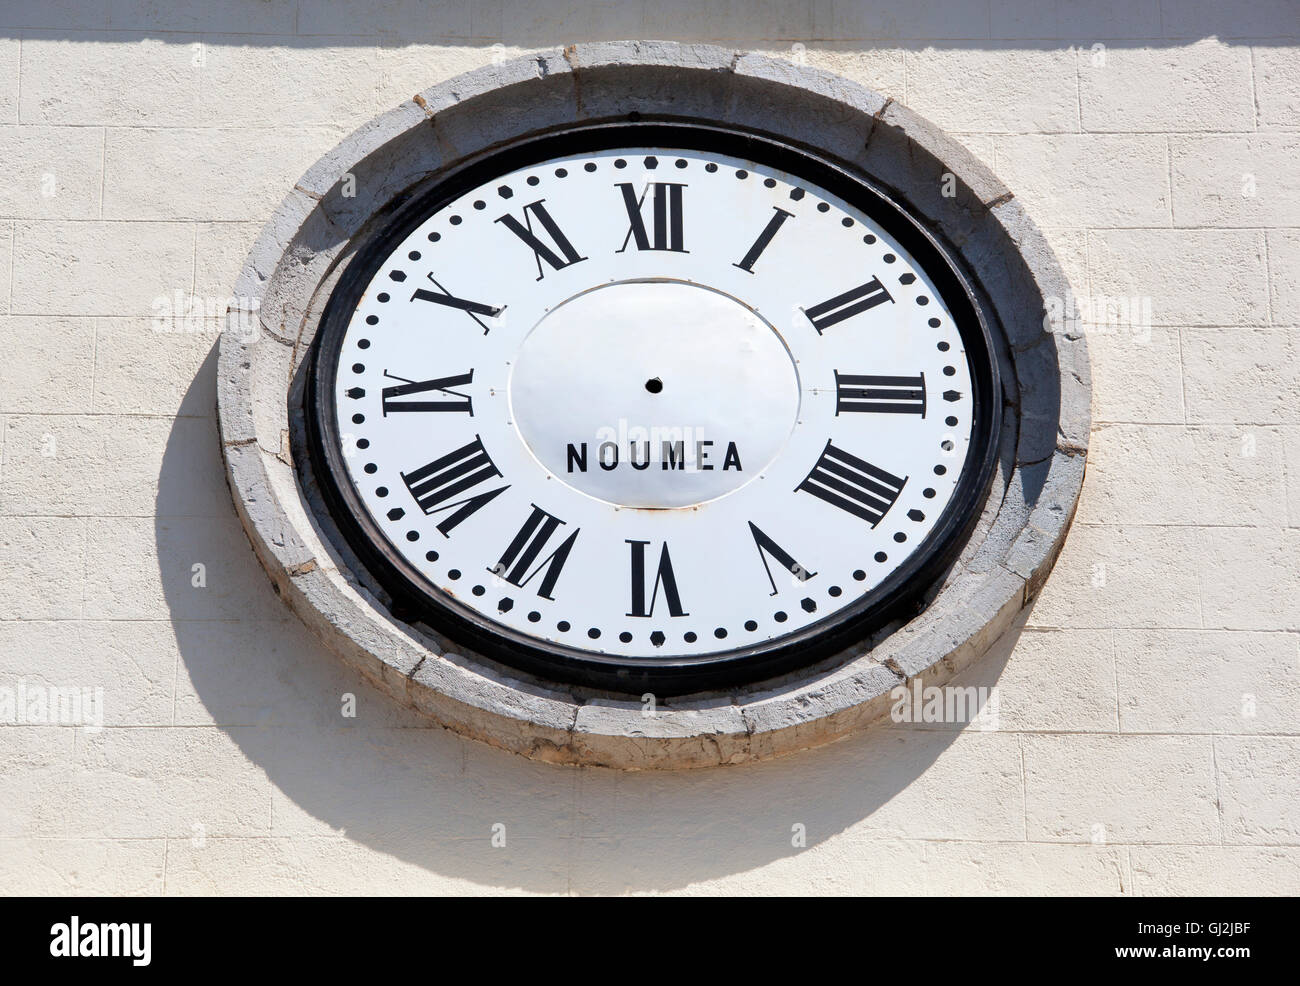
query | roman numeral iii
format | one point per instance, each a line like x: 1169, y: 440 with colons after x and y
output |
x: 845, y: 481
x: 852, y: 302
x: 436, y: 485
x: 664, y: 578
x: 558, y: 254
x: 881, y: 395
x: 527, y: 545
x: 666, y: 212
x: 453, y: 400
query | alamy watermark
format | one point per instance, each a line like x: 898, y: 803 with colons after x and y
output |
x: 975, y: 705
x: 193, y: 314
x: 1100, y: 314
x: 27, y: 704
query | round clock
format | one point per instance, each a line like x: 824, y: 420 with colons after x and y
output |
x: 653, y: 406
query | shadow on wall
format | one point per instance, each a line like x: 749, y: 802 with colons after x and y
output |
x: 393, y: 782
x: 1002, y: 24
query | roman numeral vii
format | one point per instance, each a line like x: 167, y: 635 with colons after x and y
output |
x: 522, y: 552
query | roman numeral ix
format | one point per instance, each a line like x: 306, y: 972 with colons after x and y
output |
x: 455, y: 401
x: 845, y: 481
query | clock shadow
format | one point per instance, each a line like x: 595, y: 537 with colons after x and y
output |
x: 386, y: 801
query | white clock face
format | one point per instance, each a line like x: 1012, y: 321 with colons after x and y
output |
x: 649, y: 403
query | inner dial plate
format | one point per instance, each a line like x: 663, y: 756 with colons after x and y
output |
x: 652, y: 403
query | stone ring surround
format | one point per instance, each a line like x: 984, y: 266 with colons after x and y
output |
x: 315, y: 233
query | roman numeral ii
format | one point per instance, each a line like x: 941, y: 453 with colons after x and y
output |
x: 846, y: 305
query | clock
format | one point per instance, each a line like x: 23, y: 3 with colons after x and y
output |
x: 653, y: 407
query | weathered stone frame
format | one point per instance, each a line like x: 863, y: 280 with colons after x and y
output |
x: 312, y: 237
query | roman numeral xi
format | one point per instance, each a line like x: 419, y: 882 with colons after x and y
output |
x: 557, y: 254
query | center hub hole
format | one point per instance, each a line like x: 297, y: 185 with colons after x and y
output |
x: 654, y: 385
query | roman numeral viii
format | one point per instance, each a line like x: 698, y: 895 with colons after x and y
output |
x: 452, y: 400
x: 558, y: 254
x: 435, y: 486
x: 845, y: 481
x: 846, y: 305
x: 523, y: 550
x: 881, y: 395
x: 664, y: 578
x: 666, y: 213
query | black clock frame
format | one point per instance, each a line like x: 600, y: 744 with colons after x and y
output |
x: 415, y: 599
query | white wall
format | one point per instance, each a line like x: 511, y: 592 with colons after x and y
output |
x: 1127, y: 760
